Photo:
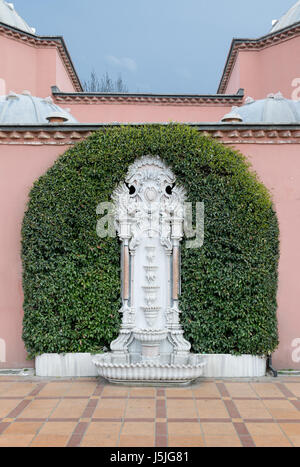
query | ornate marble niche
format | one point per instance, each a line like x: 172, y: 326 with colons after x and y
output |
x: 149, y: 215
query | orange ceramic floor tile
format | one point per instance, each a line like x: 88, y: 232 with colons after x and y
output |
x: 268, y: 435
x: 290, y: 429
x: 96, y: 441
x: 262, y: 429
x: 252, y: 409
x: 181, y: 409
x: 185, y: 441
x: 138, y: 428
x: 142, y: 392
x: 271, y: 441
x: 23, y: 428
x: 82, y: 389
x: 218, y: 429
x: 140, y: 408
x: 115, y: 391
x: 6, y: 406
x: 140, y: 403
x: 179, y: 392
x: 282, y: 409
x: 211, y: 409
x: 102, y: 434
x: 15, y: 440
x: 70, y: 408
x: 55, y: 390
x: 104, y: 429
x: 59, y: 428
x: 266, y: 390
x: 240, y: 390
x: 184, y: 429
x: 294, y: 388
x: 21, y: 389
x: 110, y: 408
x: 102, y: 403
x: 39, y: 408
x: 50, y: 440
x: 113, y: 413
x: 4, y: 389
x: 136, y: 441
x: 222, y: 441
x: 295, y: 441
x: 206, y: 389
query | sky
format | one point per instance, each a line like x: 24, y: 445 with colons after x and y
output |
x: 159, y: 46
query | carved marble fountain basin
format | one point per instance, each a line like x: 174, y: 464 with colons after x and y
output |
x: 150, y: 340
x: 151, y: 373
x: 150, y: 336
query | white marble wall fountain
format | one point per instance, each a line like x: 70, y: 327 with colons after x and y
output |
x: 149, y: 215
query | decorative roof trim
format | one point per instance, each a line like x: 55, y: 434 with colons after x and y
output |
x: 229, y: 133
x: 147, y: 98
x: 44, y: 41
x: 254, y: 44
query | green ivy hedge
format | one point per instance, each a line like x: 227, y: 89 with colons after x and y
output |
x: 71, y: 277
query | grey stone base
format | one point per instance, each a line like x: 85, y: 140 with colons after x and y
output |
x: 217, y: 365
x: 61, y: 365
x: 230, y: 366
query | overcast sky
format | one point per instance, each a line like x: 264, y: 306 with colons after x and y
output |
x: 171, y: 46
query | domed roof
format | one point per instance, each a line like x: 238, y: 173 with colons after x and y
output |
x: 8, y: 15
x: 291, y: 17
x: 22, y: 109
x: 274, y: 109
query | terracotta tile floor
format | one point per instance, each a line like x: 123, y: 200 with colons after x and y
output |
x: 90, y: 412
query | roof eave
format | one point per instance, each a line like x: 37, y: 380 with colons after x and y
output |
x: 225, y: 99
x: 200, y: 125
x: 59, y: 39
x: 236, y: 41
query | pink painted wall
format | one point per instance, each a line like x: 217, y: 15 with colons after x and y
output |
x: 278, y: 167
x: 24, y: 66
x: 268, y: 70
x: 62, y: 81
x: 140, y: 113
x: 17, y: 65
x: 45, y: 71
x: 234, y: 83
x: 19, y: 167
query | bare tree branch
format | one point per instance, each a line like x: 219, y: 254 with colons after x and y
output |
x: 106, y: 84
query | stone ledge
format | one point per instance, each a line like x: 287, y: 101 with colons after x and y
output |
x: 230, y: 366
x: 68, y: 135
x: 217, y: 366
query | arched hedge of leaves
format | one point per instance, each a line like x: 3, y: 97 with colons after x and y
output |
x: 71, y: 277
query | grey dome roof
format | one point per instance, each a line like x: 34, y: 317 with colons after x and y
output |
x: 274, y: 109
x: 26, y: 109
x: 291, y: 17
x: 8, y: 15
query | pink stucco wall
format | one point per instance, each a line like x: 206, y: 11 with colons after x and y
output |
x: 62, y: 81
x: 140, y: 113
x: 16, y: 61
x: 234, y: 83
x: 24, y: 66
x: 266, y: 71
x: 45, y: 71
x: 278, y: 167
x: 19, y: 167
